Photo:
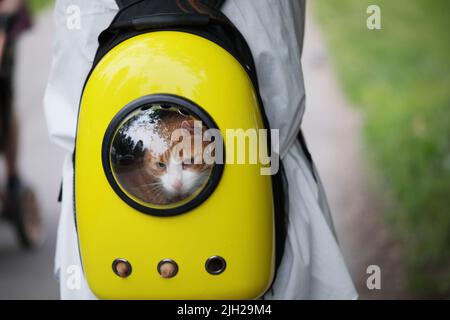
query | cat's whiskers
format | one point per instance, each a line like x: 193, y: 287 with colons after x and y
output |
x: 153, y: 184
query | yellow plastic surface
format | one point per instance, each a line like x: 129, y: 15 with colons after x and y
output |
x: 236, y: 222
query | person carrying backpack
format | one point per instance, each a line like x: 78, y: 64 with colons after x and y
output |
x: 312, y: 266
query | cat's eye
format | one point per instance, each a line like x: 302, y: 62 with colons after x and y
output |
x: 162, y: 165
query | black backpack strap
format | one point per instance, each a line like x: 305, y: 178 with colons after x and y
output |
x: 212, y: 3
x: 125, y: 3
x: 215, y: 3
x: 201, y: 17
x: 151, y: 14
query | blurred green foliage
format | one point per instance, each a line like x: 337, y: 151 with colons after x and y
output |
x: 400, y: 76
x: 38, y: 5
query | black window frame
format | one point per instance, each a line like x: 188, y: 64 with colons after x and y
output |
x: 195, y: 110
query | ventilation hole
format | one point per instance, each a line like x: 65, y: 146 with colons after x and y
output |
x: 215, y: 265
x: 122, y: 268
x: 167, y: 268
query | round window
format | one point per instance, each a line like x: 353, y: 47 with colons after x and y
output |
x: 159, y: 155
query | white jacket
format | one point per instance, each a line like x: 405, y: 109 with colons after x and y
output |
x: 312, y: 266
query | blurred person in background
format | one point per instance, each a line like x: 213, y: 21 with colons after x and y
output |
x: 14, y: 20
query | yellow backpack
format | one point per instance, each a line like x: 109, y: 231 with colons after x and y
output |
x: 151, y: 228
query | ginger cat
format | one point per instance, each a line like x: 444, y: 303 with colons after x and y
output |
x: 171, y: 175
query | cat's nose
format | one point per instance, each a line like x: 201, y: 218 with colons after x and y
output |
x: 177, y: 185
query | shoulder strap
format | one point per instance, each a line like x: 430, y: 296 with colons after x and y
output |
x: 212, y: 3
x: 124, y: 3
x: 202, y: 17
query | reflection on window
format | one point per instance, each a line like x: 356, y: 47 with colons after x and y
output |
x: 156, y: 158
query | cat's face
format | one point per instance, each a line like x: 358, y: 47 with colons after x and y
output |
x: 177, y: 173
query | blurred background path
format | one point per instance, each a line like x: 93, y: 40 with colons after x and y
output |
x: 333, y: 130
x: 29, y: 275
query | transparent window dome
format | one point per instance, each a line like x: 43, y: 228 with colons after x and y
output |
x: 159, y: 157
